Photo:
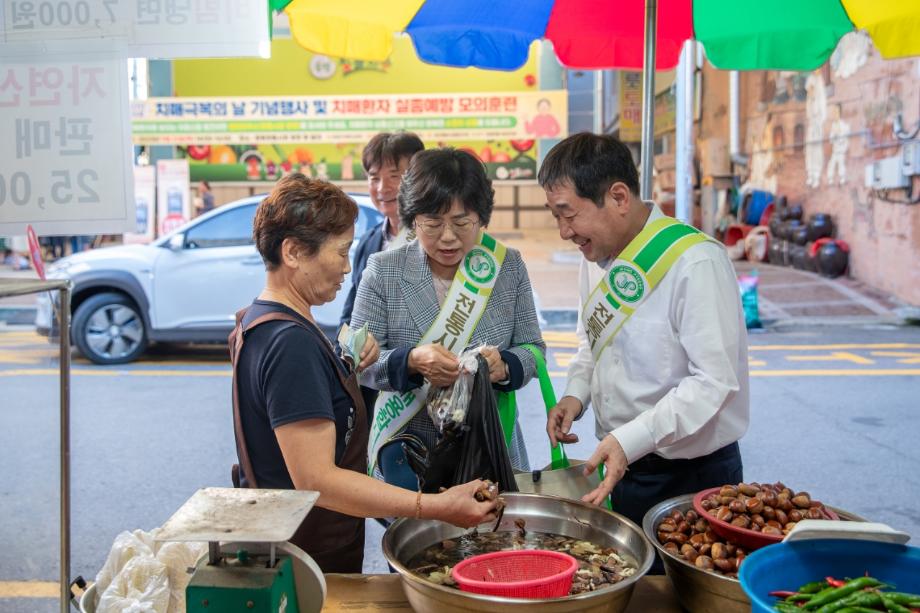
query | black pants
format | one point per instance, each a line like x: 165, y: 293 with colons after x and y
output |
x: 653, y: 479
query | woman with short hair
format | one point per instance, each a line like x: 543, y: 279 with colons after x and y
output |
x: 454, y: 287
x: 298, y: 415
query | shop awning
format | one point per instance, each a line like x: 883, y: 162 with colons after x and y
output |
x: 591, y: 34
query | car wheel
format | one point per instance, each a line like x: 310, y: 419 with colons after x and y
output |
x: 108, y: 329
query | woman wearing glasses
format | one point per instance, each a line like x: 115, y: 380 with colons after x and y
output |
x: 453, y: 288
x: 298, y: 415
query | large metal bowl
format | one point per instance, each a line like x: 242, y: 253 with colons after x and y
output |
x: 406, y: 538
x: 701, y: 591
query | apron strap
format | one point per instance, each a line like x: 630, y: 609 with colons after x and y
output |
x: 349, y: 383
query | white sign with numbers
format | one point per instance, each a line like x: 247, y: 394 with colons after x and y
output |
x: 136, y: 28
x: 65, y: 163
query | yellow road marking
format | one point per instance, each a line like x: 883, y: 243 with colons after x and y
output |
x: 29, y: 589
x: 836, y: 356
x: 846, y: 372
x: 756, y: 362
x: 830, y: 347
x: 853, y: 372
x: 116, y: 373
x: 910, y: 357
x: 563, y: 359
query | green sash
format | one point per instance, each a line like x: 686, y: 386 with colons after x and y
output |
x: 463, y: 307
x: 633, y: 276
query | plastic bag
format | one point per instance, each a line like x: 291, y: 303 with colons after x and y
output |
x: 126, y: 546
x: 472, y: 449
x: 142, y: 586
x: 747, y: 285
x: 179, y: 558
x: 447, y: 406
x: 484, y: 454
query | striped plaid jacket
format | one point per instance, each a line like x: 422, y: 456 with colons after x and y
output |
x: 397, y: 299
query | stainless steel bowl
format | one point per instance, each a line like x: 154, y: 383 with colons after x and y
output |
x: 406, y: 538
x: 701, y: 591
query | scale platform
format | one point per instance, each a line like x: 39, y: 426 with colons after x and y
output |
x: 257, y: 521
x: 215, y: 514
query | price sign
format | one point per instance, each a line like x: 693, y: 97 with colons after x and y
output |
x: 136, y: 28
x: 65, y: 156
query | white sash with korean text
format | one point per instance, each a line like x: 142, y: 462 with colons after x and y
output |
x: 633, y: 276
x: 453, y: 328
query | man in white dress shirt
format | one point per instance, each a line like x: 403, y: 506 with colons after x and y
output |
x: 663, y: 347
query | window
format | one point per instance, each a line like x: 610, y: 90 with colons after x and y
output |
x: 367, y: 219
x: 230, y: 229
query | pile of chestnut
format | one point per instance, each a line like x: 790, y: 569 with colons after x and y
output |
x: 771, y: 509
x: 688, y: 536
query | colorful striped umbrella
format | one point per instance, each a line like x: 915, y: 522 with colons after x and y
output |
x: 590, y: 34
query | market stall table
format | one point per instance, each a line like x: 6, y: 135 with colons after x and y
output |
x: 345, y: 593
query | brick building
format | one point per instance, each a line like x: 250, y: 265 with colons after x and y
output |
x: 811, y: 137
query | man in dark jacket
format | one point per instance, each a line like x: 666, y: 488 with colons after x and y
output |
x: 385, y: 159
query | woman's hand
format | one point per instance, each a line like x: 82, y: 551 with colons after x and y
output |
x: 498, y: 370
x: 370, y: 352
x: 435, y: 363
x: 459, y: 507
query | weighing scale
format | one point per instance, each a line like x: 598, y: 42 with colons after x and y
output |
x: 250, y: 567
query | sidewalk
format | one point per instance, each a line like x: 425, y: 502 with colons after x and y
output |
x: 787, y: 297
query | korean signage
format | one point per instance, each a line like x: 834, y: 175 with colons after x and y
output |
x: 300, y: 119
x: 65, y: 155
x: 174, y: 206
x: 630, y: 99
x: 144, y: 230
x: 137, y: 28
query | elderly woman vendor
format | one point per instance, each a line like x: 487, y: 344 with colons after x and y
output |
x: 298, y: 415
x: 418, y: 303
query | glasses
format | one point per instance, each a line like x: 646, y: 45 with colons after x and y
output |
x: 433, y: 229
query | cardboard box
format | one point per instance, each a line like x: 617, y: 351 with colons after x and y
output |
x: 714, y: 157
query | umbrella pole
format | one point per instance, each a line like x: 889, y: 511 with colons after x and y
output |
x: 648, y: 100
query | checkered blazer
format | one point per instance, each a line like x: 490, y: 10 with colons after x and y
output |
x: 398, y: 301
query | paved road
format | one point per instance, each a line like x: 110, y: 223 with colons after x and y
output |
x: 834, y: 411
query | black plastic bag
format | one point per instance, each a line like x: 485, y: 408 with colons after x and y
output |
x: 474, y: 450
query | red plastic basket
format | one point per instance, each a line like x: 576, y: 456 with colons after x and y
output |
x: 523, y: 573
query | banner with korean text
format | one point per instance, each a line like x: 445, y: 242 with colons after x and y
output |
x: 305, y: 119
x: 65, y: 155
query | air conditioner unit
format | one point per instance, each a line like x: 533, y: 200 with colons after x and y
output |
x: 887, y: 174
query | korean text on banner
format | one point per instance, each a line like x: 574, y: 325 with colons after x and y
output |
x: 137, y: 28
x: 301, y: 119
x: 174, y: 206
x: 145, y: 203
x: 65, y: 156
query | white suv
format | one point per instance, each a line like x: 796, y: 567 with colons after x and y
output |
x: 184, y: 287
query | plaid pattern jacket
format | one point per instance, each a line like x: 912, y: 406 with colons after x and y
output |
x: 398, y: 301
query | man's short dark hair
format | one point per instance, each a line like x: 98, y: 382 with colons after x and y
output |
x: 437, y: 177
x: 389, y: 148
x: 591, y: 163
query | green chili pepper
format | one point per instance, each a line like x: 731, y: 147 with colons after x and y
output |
x: 892, y: 605
x: 786, y: 607
x: 812, y: 588
x: 903, y: 598
x: 799, y: 598
x: 857, y: 599
x: 839, y: 592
